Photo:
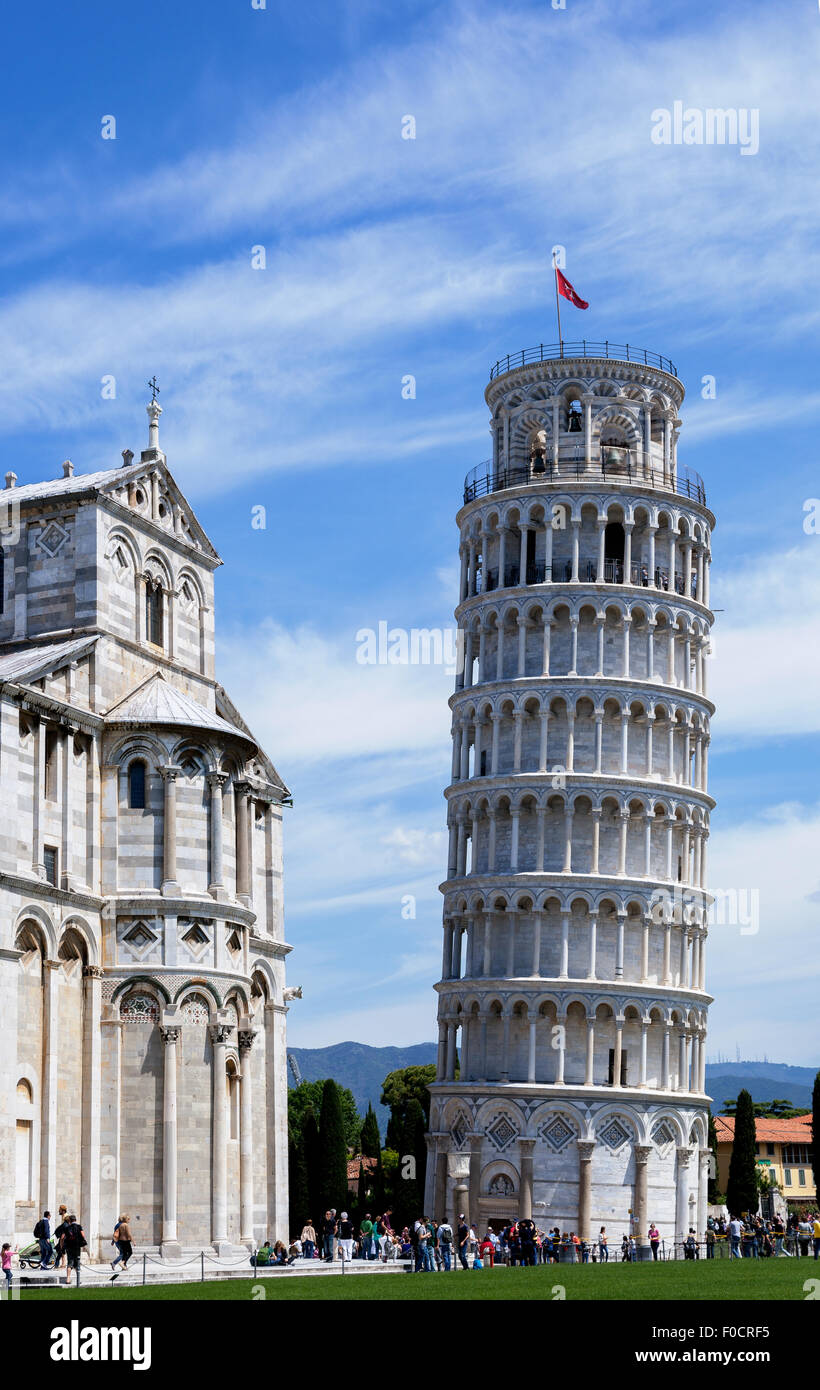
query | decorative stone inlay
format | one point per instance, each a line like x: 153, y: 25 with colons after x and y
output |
x: 502, y: 1132
x: 52, y: 538
x: 614, y: 1135
x: 459, y: 1131
x: 139, y: 1008
x: 195, y: 1009
x: 557, y: 1133
x: 662, y: 1135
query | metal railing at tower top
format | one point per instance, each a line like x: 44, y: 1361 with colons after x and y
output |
x: 488, y: 477
x: 615, y: 352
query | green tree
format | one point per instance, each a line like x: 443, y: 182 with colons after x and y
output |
x: 312, y: 1150
x: 308, y: 1096
x: 371, y: 1141
x: 815, y: 1133
x: 332, y: 1149
x: 298, y: 1194
x: 741, y: 1190
x: 409, y: 1083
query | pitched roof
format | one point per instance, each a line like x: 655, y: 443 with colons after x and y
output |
x: 111, y: 480
x: 156, y: 701
x: 796, y: 1130
x: 32, y: 662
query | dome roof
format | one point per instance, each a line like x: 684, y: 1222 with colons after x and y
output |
x: 156, y: 701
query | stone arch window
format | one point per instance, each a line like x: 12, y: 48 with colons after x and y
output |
x: 24, y: 1160
x: 501, y: 1186
x: 140, y: 1008
x: 154, y: 612
x: 136, y: 785
x: 195, y: 1009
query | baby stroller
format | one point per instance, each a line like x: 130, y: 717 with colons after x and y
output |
x: 30, y: 1257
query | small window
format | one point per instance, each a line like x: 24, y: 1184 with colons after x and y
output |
x: 24, y: 1093
x: 51, y: 765
x: 787, y: 1177
x: 153, y: 612
x: 770, y: 1150
x: 801, y: 1177
x: 50, y: 861
x: 136, y: 785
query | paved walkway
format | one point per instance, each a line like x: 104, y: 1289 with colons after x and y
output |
x: 194, y: 1270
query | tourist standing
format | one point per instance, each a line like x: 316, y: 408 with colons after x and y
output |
x: 735, y: 1233
x: 366, y: 1232
x: 59, y: 1233
x: 328, y: 1235
x: 603, y: 1248
x: 74, y: 1243
x: 5, y: 1261
x: 463, y: 1237
x: 445, y: 1241
x: 42, y: 1233
x: 308, y: 1239
x: 654, y: 1240
x: 346, y: 1236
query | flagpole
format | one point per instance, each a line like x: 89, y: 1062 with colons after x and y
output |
x: 557, y: 304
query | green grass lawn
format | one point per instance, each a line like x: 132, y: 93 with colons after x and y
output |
x: 710, y: 1281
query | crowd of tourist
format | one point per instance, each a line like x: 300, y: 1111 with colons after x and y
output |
x: 436, y: 1245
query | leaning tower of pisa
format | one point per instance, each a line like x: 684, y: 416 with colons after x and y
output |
x: 572, y: 1000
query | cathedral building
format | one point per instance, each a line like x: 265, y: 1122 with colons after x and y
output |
x: 142, y: 952
x: 572, y: 999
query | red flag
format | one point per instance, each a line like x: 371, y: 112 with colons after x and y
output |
x: 565, y: 288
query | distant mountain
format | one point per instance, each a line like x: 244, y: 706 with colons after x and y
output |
x: 360, y: 1068
x: 363, y: 1069
x: 764, y: 1080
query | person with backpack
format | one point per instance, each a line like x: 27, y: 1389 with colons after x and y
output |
x: 74, y: 1243
x: 445, y: 1241
x: 42, y: 1233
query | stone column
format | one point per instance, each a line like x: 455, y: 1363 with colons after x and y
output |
x: 216, y: 781
x: 245, y: 1039
x: 665, y: 1079
x: 618, y: 1052
x: 38, y: 798
x: 596, y: 836
x: 645, y: 1025
x: 589, y: 1076
x: 593, y: 944
x: 704, y: 1160
x: 525, y: 1148
x: 641, y: 1152
x: 586, y: 1149
x: 564, y: 971
x: 531, y: 1053
x: 220, y: 1034
x: 682, y: 1195
x: 92, y: 1072
x: 170, y: 886
x: 475, y: 1141
x: 536, y: 944
x: 243, y: 886
x: 170, y: 1032
x: 48, y: 1128
x: 439, y: 1194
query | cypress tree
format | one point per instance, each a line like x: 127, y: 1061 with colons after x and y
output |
x: 371, y: 1142
x: 412, y: 1165
x: 741, y: 1190
x: 815, y: 1136
x: 711, y: 1195
x: 332, y: 1150
x: 312, y: 1149
x: 298, y: 1195
x: 379, y: 1193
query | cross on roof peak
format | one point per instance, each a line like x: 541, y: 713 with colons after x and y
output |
x: 154, y: 387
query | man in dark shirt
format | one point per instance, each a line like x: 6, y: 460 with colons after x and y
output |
x: 44, y: 1237
x: 328, y: 1233
x: 526, y: 1231
x: 462, y: 1238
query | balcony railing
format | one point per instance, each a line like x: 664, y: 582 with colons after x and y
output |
x: 561, y: 573
x: 547, y: 352
x: 614, y: 465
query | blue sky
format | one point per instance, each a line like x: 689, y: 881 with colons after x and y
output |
x: 281, y: 128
